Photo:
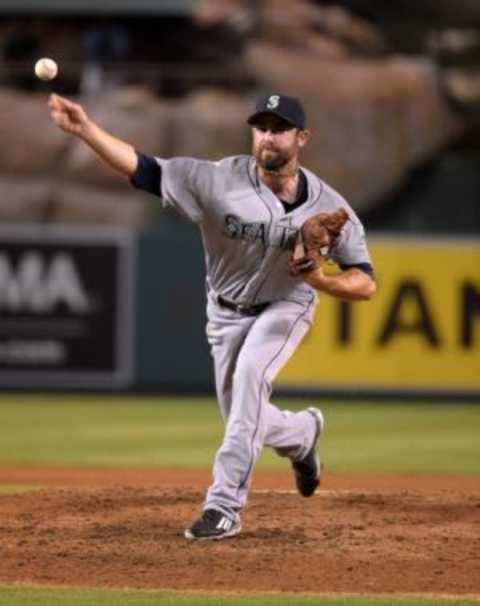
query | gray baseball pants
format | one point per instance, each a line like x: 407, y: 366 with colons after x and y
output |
x: 248, y: 353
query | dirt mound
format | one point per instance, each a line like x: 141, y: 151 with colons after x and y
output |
x: 384, y: 540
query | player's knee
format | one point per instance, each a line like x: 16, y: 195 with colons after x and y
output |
x: 249, y: 370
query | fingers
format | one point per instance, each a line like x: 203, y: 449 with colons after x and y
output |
x: 57, y: 102
x: 66, y: 114
x: 53, y: 100
x: 299, y: 250
x: 310, y: 261
x: 61, y: 104
x: 56, y: 115
x: 303, y: 264
x: 63, y: 121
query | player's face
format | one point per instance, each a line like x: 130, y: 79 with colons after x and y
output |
x: 275, y: 142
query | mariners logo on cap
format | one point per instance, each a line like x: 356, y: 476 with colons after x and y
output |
x: 273, y: 102
x: 287, y: 108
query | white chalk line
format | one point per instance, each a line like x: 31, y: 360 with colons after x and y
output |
x: 320, y: 493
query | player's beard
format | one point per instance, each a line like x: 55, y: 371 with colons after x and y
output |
x: 271, y: 160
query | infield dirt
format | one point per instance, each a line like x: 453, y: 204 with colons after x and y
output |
x: 359, y: 533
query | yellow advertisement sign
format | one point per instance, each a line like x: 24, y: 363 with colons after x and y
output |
x: 421, y: 331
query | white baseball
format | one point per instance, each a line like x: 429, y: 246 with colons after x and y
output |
x: 46, y: 69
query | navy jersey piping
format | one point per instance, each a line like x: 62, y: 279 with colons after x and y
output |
x: 262, y: 382
x: 255, y: 189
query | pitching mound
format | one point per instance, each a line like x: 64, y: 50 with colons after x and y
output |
x: 124, y: 528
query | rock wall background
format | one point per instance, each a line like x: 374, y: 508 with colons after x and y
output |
x: 376, y: 109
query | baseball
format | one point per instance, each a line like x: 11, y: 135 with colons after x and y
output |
x: 46, y: 69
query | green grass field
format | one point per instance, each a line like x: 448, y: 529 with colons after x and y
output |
x: 102, y: 430
x: 165, y: 432
x: 23, y: 596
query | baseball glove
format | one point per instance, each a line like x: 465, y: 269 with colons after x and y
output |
x: 315, y: 239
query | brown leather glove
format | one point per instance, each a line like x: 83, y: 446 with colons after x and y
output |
x: 315, y: 240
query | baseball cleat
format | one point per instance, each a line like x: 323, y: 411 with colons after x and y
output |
x: 213, y: 525
x: 307, y: 471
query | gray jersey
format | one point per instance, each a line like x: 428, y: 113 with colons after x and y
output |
x: 247, y: 235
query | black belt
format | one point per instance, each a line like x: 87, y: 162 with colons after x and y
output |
x: 245, y: 310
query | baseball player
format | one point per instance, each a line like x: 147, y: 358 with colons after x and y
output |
x: 263, y: 275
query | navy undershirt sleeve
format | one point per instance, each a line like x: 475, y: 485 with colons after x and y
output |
x: 366, y: 267
x: 148, y: 175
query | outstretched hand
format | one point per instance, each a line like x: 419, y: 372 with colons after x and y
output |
x: 67, y: 115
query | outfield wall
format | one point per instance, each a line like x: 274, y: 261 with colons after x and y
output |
x: 101, y: 308
x: 67, y: 299
x: 421, y: 333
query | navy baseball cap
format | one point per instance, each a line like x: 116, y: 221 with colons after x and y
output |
x: 289, y: 109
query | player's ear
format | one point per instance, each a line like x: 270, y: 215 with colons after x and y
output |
x: 303, y: 137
